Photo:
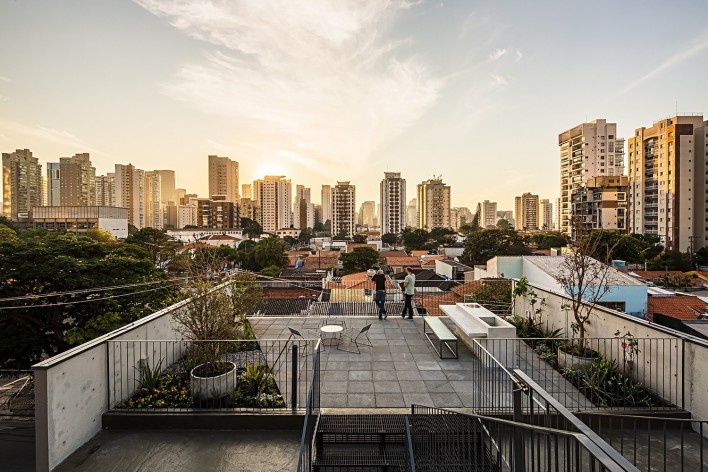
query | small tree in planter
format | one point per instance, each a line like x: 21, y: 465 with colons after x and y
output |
x: 210, y: 320
x: 586, y: 281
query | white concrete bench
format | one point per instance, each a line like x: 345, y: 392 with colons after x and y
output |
x: 443, y: 336
x: 465, y: 323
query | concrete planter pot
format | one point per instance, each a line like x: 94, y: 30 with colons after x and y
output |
x: 567, y: 360
x: 214, y: 387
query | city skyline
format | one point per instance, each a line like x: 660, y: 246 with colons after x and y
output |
x: 322, y: 93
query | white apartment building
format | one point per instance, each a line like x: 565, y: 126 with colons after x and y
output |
x: 587, y: 150
x: 393, y: 203
x: 487, y: 212
x: 433, y: 203
x: 666, y: 174
x: 412, y: 213
x: 343, y: 209
x: 223, y: 178
x: 154, y: 207
x: 545, y: 215
x: 105, y: 189
x: 52, y: 194
x: 139, y: 192
x: 273, y: 196
x: 367, y: 214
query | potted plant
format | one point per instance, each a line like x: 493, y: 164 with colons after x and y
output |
x: 214, y: 318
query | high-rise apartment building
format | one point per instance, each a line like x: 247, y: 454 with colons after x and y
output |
x: 433, y: 202
x: 367, y: 214
x: 326, y: 203
x: 139, y: 192
x: 545, y: 215
x: 343, y: 208
x: 246, y: 191
x: 303, y: 209
x: 460, y: 216
x: 247, y: 208
x: 700, y: 189
x: 412, y: 213
x: 393, y: 203
x: 105, y: 189
x: 77, y: 181
x: 526, y: 212
x: 487, y: 213
x: 273, y: 195
x: 168, y: 192
x: 22, y: 183
x: 587, y: 150
x: 600, y: 204
x: 216, y: 213
x: 506, y: 215
x: 53, y: 188
x: 223, y: 178
x: 154, y: 205
x: 666, y: 169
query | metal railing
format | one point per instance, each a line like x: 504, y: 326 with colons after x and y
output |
x: 312, y: 415
x: 181, y: 376
x: 629, y: 372
x: 446, y: 440
x: 16, y: 393
x: 654, y: 443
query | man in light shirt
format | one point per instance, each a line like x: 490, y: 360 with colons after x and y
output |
x: 408, y: 291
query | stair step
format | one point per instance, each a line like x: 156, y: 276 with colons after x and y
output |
x: 357, y: 455
x: 362, y: 424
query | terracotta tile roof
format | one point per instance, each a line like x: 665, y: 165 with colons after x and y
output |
x: 351, y: 246
x: 419, y: 253
x: 467, y: 287
x: 403, y: 261
x: 682, y: 307
x: 315, y: 262
x: 657, y: 274
x: 432, y: 302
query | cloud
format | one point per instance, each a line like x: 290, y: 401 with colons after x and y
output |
x: 317, y: 78
x: 498, y: 80
x: 5, y: 79
x: 47, y: 134
x: 496, y: 54
x: 519, y: 55
x: 674, y: 60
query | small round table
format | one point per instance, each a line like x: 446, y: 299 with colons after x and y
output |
x: 330, y: 332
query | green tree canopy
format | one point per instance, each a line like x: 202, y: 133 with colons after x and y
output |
x: 251, y: 228
x: 360, y: 259
x: 414, y: 239
x: 40, y: 264
x: 359, y: 238
x: 484, y: 244
x: 504, y: 225
x: 269, y: 252
x: 548, y: 240
x: 389, y: 238
x: 156, y: 242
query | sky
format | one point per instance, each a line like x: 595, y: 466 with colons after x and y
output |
x: 343, y: 90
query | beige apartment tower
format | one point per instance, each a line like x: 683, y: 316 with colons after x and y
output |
x: 367, y: 214
x: 77, y: 181
x: 273, y: 196
x: 666, y: 171
x: 545, y: 215
x: 22, y: 183
x: 587, y: 150
x: 433, y: 204
x: 487, y: 212
x: 526, y: 212
x: 343, y: 209
x: 393, y: 203
x: 223, y: 178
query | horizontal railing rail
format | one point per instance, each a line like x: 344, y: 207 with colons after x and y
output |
x: 183, y: 376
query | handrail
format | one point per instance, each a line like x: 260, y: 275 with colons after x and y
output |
x: 309, y: 408
x: 409, y: 442
x: 581, y: 427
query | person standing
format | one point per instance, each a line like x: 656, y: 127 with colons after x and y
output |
x: 408, y: 291
x: 380, y: 294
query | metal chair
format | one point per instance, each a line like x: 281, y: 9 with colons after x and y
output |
x: 295, y: 334
x: 356, y: 337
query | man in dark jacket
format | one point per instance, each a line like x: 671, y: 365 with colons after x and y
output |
x: 380, y: 294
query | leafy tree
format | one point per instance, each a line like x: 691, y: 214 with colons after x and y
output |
x: 341, y: 236
x: 156, y: 242
x: 271, y: 271
x: 468, y: 228
x: 246, y: 255
x: 414, y: 239
x: 251, y: 228
x: 359, y: 238
x: 702, y: 256
x: 289, y: 242
x: 305, y: 236
x: 5, y: 221
x: 504, y: 225
x: 493, y: 294
x: 268, y: 252
x: 442, y: 235
x: 318, y: 228
x: 40, y: 264
x: 360, y: 259
x: 549, y: 240
x: 389, y: 238
x: 484, y: 244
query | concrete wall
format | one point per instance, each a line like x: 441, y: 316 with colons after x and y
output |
x: 72, y: 389
x: 670, y: 363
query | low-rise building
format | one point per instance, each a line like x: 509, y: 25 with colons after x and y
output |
x: 80, y: 219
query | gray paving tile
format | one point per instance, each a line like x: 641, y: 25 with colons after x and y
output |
x: 397, y: 342
x: 333, y: 375
x: 417, y: 398
x: 438, y: 386
x: 361, y: 400
x: 469, y: 400
x: 396, y: 348
x: 408, y: 375
x: 360, y: 375
x: 334, y: 400
x: 387, y: 386
x: 433, y: 375
x: 334, y: 387
x: 381, y: 356
x: 404, y: 365
x: 446, y: 400
x: 384, y: 375
x: 389, y: 400
x: 361, y: 387
x: 337, y: 365
x: 412, y: 386
x: 359, y: 366
x: 464, y: 386
x: 460, y: 375
x: 428, y: 365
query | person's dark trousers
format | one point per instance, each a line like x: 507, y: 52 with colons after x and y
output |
x: 408, y: 306
x: 381, y: 302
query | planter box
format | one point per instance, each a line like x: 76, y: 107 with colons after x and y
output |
x: 213, y: 387
x: 571, y: 361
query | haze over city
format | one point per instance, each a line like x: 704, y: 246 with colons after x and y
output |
x: 323, y: 91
